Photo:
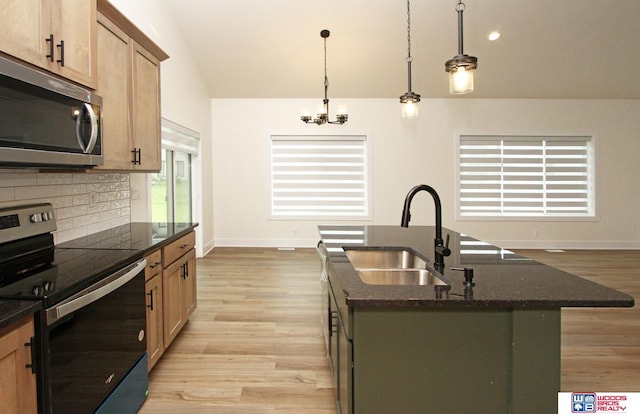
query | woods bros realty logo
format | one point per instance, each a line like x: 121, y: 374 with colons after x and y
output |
x: 598, y: 402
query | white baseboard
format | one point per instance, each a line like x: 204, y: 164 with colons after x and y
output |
x: 294, y: 243
x: 567, y: 244
x: 207, y: 248
x: 506, y: 244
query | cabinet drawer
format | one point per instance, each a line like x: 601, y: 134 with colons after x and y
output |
x: 173, y: 251
x: 154, y: 264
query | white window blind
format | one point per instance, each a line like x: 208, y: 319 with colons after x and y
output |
x: 525, y: 176
x: 319, y: 176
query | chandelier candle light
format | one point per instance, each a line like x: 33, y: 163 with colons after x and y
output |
x: 461, y: 66
x: 409, y: 100
x: 323, y: 114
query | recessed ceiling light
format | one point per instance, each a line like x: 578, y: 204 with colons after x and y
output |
x: 494, y: 36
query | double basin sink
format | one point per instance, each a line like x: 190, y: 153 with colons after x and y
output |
x: 392, y: 266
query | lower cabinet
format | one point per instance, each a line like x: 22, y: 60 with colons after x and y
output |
x: 153, y: 287
x: 339, y: 352
x: 17, y: 381
x: 179, y: 286
x: 412, y: 360
x: 171, y: 293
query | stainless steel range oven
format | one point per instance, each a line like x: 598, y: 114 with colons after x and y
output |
x: 90, y: 336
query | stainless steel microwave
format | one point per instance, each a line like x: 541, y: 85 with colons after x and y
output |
x: 46, y: 121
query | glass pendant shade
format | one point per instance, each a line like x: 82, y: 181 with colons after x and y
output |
x: 460, y: 80
x: 410, y: 110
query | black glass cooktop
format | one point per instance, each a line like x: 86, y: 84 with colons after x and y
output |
x: 70, y: 271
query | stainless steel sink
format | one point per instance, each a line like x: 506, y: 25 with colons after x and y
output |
x: 399, y: 258
x: 392, y: 266
x: 399, y: 277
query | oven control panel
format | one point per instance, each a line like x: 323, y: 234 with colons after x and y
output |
x: 19, y: 222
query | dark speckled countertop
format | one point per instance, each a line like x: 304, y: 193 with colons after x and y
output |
x: 13, y: 310
x: 502, y: 279
x: 133, y: 236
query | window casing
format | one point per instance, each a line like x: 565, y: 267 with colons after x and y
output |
x: 516, y: 177
x: 320, y: 177
x: 171, y: 188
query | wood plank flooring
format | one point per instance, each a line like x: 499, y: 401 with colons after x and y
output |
x: 600, y: 346
x: 254, y: 345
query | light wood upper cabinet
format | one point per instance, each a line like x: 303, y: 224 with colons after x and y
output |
x: 146, y: 108
x: 17, y: 382
x: 114, y: 63
x: 129, y: 83
x: 56, y: 35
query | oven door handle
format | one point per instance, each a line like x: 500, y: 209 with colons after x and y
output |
x: 95, y: 292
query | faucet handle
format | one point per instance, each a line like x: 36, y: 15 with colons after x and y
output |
x: 444, y: 250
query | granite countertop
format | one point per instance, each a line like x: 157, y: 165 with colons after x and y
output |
x: 133, y: 236
x: 13, y: 310
x: 502, y: 279
x: 144, y: 236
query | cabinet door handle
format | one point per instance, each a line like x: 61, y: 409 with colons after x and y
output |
x: 61, y: 47
x: 333, y: 315
x: 137, y: 156
x: 51, y: 43
x: 150, y: 305
x: 32, y: 365
x: 185, y: 270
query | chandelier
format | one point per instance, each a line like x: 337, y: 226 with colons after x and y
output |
x: 323, y: 116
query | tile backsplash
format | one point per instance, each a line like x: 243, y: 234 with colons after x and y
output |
x: 84, y: 203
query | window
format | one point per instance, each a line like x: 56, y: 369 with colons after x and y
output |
x: 171, y: 193
x: 319, y: 177
x: 526, y: 176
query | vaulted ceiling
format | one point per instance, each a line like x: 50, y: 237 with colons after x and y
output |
x: 548, y: 48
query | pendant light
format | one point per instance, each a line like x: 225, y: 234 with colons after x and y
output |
x: 461, y: 66
x: 409, y: 100
x: 323, y: 114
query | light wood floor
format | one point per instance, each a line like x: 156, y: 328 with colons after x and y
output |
x: 254, y: 345
x: 600, y: 346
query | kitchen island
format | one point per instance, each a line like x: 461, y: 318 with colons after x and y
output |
x: 491, y: 347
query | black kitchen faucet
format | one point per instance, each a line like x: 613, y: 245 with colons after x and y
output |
x: 441, y: 249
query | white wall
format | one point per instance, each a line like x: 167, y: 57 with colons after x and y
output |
x: 406, y: 153
x: 185, y: 101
